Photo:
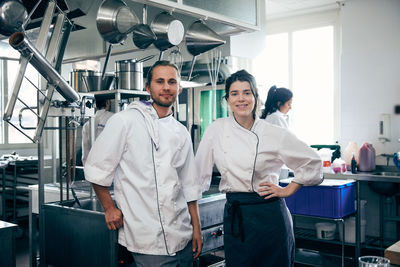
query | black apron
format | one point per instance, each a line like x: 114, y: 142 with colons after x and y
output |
x: 257, y: 232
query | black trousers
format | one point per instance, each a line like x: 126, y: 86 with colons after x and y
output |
x: 257, y: 232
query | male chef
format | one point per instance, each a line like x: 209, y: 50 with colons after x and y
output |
x: 149, y: 157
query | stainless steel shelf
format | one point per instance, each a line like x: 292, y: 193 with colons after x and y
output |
x: 125, y: 93
x: 316, y: 258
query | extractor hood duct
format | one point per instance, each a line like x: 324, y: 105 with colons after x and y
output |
x: 22, y: 44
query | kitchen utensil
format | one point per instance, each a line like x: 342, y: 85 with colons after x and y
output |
x: 199, y: 39
x: 168, y: 30
x: 12, y: 16
x: 106, y: 60
x: 130, y: 73
x: 143, y: 35
x: 213, y: 65
x: 373, y: 261
x: 95, y: 82
x: 77, y: 82
x: 175, y: 57
x: 115, y: 20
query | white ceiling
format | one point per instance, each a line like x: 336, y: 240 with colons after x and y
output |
x: 283, y: 8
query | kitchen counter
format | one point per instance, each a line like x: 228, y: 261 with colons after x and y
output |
x: 363, y: 176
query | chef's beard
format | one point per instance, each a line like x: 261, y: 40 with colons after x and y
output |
x: 159, y: 102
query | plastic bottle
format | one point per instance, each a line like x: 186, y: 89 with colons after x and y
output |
x: 351, y: 149
x: 366, y: 161
x: 353, y: 164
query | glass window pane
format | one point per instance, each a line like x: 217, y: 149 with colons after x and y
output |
x: 271, y: 67
x: 313, y: 85
x: 28, y: 94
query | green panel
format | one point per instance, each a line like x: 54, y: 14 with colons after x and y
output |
x: 205, y: 111
x: 206, y: 108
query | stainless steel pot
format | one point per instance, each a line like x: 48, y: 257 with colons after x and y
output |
x: 115, y: 20
x: 77, y: 82
x: 129, y: 74
x: 12, y: 16
x: 168, y: 30
x: 200, y: 38
x: 98, y: 82
x: 143, y: 35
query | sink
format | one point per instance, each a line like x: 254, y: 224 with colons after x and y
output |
x: 385, y: 188
x: 386, y: 173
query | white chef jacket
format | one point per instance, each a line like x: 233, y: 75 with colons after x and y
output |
x: 100, y: 120
x: 247, y: 158
x: 278, y: 118
x: 151, y: 162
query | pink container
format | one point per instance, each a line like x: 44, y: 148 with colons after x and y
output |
x: 367, y: 158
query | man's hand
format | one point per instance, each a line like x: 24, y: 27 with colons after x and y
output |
x: 114, y: 218
x: 197, y: 242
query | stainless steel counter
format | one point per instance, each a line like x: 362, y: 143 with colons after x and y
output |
x: 363, y: 176
x: 391, y: 176
x: 78, y: 236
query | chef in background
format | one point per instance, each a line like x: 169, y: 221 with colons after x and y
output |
x: 101, y: 117
x: 249, y: 153
x: 277, y: 106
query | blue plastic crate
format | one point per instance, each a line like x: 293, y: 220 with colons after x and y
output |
x: 331, y: 199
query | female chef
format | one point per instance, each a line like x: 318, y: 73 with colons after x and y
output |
x: 249, y: 153
x: 277, y: 106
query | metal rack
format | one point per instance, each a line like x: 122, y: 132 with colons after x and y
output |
x: 316, y: 258
x: 119, y: 94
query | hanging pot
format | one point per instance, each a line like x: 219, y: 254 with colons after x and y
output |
x: 199, y: 39
x: 168, y: 30
x: 115, y: 20
x: 143, y: 35
x: 12, y: 16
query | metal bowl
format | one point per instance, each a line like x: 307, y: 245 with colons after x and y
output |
x: 94, y: 82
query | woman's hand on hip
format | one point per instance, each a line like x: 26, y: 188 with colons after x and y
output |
x: 270, y: 190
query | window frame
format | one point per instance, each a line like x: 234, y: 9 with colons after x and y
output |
x: 309, y: 21
x: 5, y: 84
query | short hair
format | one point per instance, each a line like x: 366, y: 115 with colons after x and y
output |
x: 160, y: 63
x: 101, y: 103
x: 243, y: 76
x: 275, y: 99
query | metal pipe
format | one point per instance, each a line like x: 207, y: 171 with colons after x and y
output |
x: 19, y: 42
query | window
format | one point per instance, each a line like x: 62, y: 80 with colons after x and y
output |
x: 303, y: 60
x: 28, y: 94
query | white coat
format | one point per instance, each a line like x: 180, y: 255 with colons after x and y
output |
x: 247, y: 158
x: 151, y: 162
x: 278, y: 118
x: 100, y: 121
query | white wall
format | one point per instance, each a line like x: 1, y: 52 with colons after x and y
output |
x: 370, y: 71
x: 370, y: 81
